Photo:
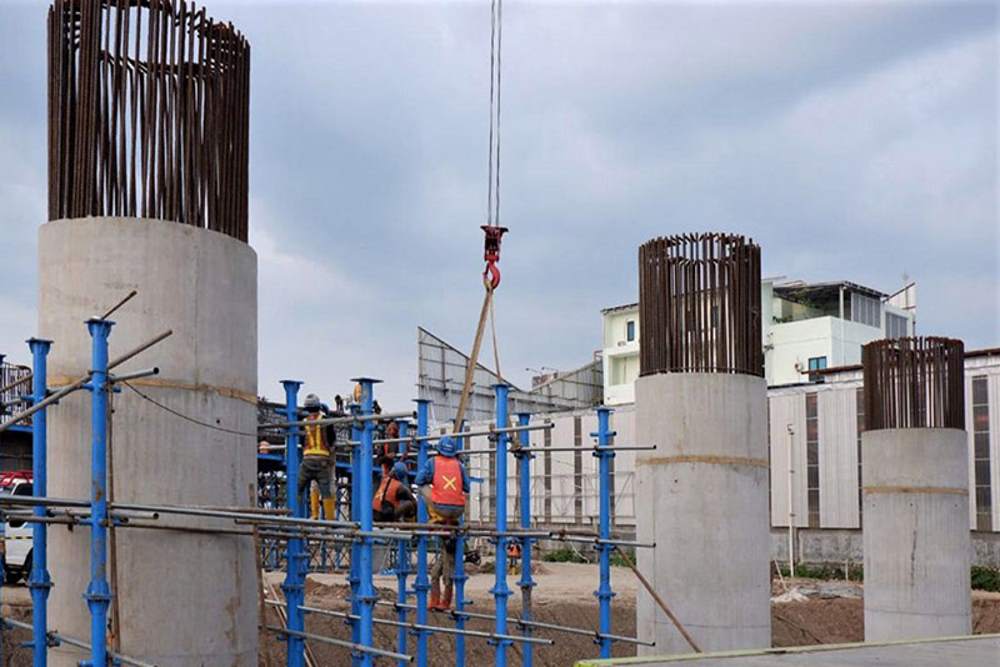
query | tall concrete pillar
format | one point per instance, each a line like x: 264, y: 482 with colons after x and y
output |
x: 148, y: 192
x: 915, y: 479
x: 702, y: 495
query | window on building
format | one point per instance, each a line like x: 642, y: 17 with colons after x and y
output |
x: 859, y: 395
x: 812, y: 459
x: 896, y: 326
x: 866, y: 310
x: 981, y: 441
x: 630, y: 331
x: 816, y: 364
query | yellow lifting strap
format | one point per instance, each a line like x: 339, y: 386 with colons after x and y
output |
x: 470, y: 368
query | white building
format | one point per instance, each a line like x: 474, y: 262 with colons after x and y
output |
x: 804, y: 328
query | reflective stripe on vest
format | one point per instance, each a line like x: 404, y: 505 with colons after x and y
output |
x: 315, y: 444
x: 446, y: 488
x: 388, y: 491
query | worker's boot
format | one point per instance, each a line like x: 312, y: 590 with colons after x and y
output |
x: 435, y: 602
x: 328, y: 509
x: 313, y: 503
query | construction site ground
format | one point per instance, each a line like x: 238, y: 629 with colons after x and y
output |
x: 821, y: 613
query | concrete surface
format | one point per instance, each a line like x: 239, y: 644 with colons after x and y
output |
x: 916, y: 536
x: 978, y: 651
x: 184, y: 599
x: 702, y: 497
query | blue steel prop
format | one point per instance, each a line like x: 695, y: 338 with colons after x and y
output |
x: 526, y: 582
x: 39, y: 581
x: 353, y: 572
x: 459, y: 577
x: 422, y: 583
x: 604, y: 453
x: 402, y: 558
x: 294, y: 584
x: 98, y: 595
x: 366, y: 587
x: 500, y: 589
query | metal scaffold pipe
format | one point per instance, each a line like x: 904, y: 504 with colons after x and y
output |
x: 583, y: 632
x: 326, y: 421
x: 492, y: 431
x: 56, y: 638
x: 428, y: 628
x: 77, y: 384
x: 360, y: 648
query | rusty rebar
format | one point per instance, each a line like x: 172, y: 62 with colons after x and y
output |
x: 914, y: 383
x: 148, y: 113
x: 699, y: 305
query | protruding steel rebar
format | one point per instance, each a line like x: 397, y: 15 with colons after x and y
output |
x: 699, y: 305
x: 148, y: 113
x: 914, y: 383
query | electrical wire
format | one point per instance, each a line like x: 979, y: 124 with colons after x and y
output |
x: 186, y: 417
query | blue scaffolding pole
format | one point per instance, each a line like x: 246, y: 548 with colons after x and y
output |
x: 459, y: 577
x: 366, y: 587
x: 98, y: 595
x: 39, y: 582
x: 402, y: 557
x: 294, y: 584
x: 526, y: 583
x: 422, y: 583
x: 352, y: 573
x: 500, y: 589
x: 604, y: 454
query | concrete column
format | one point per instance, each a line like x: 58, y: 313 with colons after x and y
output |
x: 916, y: 533
x: 702, y: 497
x: 184, y: 599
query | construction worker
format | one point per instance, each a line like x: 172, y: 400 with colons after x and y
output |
x: 316, y: 459
x: 387, y: 452
x: 393, y: 500
x: 444, y: 484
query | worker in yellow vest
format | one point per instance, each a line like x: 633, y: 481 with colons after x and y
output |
x: 316, y: 459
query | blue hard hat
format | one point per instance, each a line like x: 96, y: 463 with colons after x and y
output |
x: 399, y: 471
x: 447, y: 446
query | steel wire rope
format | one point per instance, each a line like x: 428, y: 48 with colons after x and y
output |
x: 184, y: 416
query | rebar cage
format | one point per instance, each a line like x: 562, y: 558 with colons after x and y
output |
x: 148, y: 113
x: 914, y: 383
x: 699, y: 305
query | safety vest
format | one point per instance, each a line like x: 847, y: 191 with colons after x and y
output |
x: 315, y: 442
x: 388, y: 491
x: 446, y: 488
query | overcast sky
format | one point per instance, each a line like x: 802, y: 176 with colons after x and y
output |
x: 853, y: 140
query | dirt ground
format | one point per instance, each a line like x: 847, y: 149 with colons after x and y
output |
x: 564, y: 596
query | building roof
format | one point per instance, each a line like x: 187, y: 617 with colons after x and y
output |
x: 823, y: 290
x: 625, y: 306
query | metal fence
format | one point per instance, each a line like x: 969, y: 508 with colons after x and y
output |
x: 15, y: 389
x: 914, y: 383
x: 699, y: 305
x: 148, y: 113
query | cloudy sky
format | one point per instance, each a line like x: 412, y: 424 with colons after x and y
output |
x: 853, y: 140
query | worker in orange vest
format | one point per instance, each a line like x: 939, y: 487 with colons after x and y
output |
x: 444, y: 484
x: 316, y: 460
x: 393, y: 500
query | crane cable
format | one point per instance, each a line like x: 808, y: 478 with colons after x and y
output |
x: 492, y: 229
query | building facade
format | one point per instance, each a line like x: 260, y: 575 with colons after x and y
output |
x: 814, y: 445
x: 805, y: 328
